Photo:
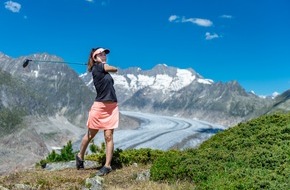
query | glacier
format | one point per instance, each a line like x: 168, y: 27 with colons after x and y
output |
x: 162, y: 132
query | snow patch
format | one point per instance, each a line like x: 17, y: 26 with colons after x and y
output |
x: 133, y: 83
x: 183, y: 78
x: 83, y: 75
x: 145, y: 81
x: 162, y: 82
x: 36, y: 73
x: 121, y: 80
x: 205, y: 81
x: 89, y: 83
x: 275, y: 94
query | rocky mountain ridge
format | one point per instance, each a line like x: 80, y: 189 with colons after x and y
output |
x: 51, y: 86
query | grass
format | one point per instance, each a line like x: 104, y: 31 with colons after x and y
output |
x: 120, y: 179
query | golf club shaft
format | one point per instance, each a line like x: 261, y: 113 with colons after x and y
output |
x: 72, y: 63
x: 26, y: 62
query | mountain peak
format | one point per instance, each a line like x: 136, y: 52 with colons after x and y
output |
x: 160, y: 65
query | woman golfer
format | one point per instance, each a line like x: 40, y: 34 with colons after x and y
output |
x: 104, y: 113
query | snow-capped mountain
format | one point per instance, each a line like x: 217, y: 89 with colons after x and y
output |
x: 272, y: 96
x: 183, y: 92
x: 161, y: 78
x: 282, y: 102
x: 173, y: 80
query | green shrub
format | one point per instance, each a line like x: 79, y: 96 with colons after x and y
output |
x: 251, y: 155
x: 167, y: 167
x: 126, y: 157
x: 94, y: 148
x: 143, y: 156
x: 66, y: 154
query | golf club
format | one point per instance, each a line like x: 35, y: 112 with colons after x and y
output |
x: 27, y: 61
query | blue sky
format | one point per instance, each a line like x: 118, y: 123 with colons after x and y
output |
x: 224, y: 40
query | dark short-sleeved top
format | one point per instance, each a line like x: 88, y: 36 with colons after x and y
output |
x: 104, y: 84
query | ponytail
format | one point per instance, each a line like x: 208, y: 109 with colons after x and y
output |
x: 91, y: 62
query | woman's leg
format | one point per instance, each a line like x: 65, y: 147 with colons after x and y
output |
x: 108, y: 134
x: 85, y: 142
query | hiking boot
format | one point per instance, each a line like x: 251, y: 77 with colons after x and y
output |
x: 79, y: 162
x: 104, y: 171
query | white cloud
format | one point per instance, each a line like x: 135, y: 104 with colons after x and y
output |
x: 209, y: 36
x: 227, y: 16
x: 91, y: 1
x: 173, y: 18
x: 12, y: 6
x: 197, y: 21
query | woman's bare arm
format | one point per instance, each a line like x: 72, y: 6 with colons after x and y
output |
x: 109, y: 68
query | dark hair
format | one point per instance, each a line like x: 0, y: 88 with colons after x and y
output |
x: 91, y: 61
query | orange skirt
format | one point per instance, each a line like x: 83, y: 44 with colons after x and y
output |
x: 103, y: 115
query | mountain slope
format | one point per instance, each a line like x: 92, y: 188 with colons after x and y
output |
x: 54, y: 87
x: 282, y: 102
x: 47, y: 101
